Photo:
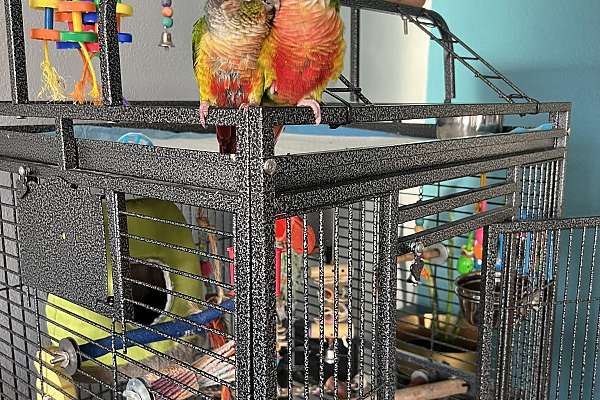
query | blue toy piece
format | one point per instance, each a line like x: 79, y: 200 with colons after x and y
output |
x: 135, y: 138
x: 49, y: 18
x: 90, y: 18
x: 528, y: 238
x: 499, y: 262
x: 143, y: 336
x: 67, y: 45
x: 125, y: 37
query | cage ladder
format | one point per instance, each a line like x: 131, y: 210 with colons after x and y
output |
x: 448, y: 41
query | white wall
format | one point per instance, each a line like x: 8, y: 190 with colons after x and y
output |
x: 393, y: 67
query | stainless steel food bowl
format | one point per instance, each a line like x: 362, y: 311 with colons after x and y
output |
x: 468, y: 289
x: 526, y: 299
x: 474, y: 125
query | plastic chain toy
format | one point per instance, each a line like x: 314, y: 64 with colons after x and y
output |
x: 81, y: 18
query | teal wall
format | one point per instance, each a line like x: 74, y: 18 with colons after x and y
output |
x: 549, y: 48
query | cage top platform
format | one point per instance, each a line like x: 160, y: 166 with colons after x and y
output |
x: 186, y: 113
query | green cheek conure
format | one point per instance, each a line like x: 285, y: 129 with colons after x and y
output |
x: 226, y: 44
x: 303, y: 53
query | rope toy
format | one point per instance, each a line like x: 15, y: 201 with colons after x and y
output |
x: 81, y: 17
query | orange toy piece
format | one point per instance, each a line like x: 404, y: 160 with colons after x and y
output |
x: 76, y: 6
x: 478, y: 251
x: 297, y: 239
x: 45, y: 34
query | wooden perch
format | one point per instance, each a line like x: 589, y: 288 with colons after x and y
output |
x: 432, y: 391
x: 329, y: 272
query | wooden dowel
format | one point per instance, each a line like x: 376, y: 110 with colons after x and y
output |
x: 432, y: 391
x: 428, y: 254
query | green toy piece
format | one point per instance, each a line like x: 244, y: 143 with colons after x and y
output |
x: 466, y: 262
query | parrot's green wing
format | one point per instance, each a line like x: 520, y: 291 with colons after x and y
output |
x: 200, y: 28
x: 201, y: 69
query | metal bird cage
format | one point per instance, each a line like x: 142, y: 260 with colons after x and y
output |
x: 544, y: 344
x: 139, y: 272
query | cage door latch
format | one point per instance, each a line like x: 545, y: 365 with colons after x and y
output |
x: 418, y: 264
x: 25, y: 178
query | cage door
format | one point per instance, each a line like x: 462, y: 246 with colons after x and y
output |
x: 540, y: 334
x: 63, y: 248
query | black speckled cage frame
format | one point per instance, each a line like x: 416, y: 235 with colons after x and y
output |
x: 255, y: 187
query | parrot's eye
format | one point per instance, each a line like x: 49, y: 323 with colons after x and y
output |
x: 143, y: 291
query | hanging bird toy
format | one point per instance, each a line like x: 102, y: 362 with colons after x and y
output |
x: 466, y: 261
x: 81, y: 18
x: 166, y: 41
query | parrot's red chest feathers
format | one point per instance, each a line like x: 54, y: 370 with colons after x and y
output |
x: 309, y: 47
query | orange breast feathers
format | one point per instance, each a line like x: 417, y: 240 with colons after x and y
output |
x: 308, y: 50
x: 229, y: 90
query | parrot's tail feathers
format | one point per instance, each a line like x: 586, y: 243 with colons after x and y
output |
x: 227, y: 139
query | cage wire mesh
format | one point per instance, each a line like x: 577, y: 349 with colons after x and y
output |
x: 326, y: 286
x: 18, y: 339
x: 178, y: 315
x: 328, y: 302
x: 528, y: 298
x: 437, y: 322
x: 332, y: 324
x: 429, y: 319
x: 544, y: 343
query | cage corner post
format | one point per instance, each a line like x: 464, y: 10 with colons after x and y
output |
x: 255, y: 249
x: 15, y: 40
x: 386, y: 294
x: 119, y: 254
x: 110, y: 61
x: 354, y: 49
x: 68, y: 145
x: 486, y: 388
x: 562, y: 120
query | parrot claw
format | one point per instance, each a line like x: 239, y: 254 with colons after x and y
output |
x: 273, y: 88
x: 244, y: 107
x: 316, y: 107
x: 203, y: 113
